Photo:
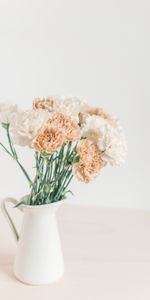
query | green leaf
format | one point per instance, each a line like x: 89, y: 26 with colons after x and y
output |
x: 76, y: 159
x: 5, y: 125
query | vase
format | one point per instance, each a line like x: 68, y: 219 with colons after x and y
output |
x: 39, y: 258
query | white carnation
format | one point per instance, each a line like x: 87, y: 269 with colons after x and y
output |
x: 93, y: 128
x: 6, y: 111
x: 110, y: 140
x: 115, y: 146
x: 24, y: 125
x: 69, y: 105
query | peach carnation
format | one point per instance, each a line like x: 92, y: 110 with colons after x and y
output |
x: 46, y: 104
x: 90, y: 162
x: 67, y: 125
x: 48, y: 140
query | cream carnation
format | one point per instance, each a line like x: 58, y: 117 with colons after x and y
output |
x: 25, y: 125
x: 70, y: 106
x: 115, y: 146
x: 110, y: 140
x: 6, y: 111
x: 93, y: 128
x: 97, y: 111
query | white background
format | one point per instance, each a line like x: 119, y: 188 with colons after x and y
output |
x: 96, y: 49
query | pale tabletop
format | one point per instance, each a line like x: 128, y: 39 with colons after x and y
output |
x: 106, y: 251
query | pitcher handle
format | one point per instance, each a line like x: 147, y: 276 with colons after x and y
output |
x: 8, y: 217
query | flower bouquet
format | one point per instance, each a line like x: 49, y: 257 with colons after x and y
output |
x: 69, y: 139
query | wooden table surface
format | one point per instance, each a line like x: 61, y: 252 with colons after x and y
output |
x: 106, y: 251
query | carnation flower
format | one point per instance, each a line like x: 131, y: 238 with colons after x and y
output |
x: 96, y: 112
x: 110, y: 140
x: 92, y: 129
x: 67, y: 125
x: 90, y: 162
x: 48, y: 140
x: 6, y: 111
x: 71, y: 106
x: 24, y: 125
x: 45, y: 103
x: 115, y: 146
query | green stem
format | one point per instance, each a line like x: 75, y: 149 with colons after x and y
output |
x: 13, y: 151
x: 13, y: 154
x: 63, y: 184
x: 24, y: 172
x: 6, y: 149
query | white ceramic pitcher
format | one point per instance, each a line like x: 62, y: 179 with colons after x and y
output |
x: 39, y: 258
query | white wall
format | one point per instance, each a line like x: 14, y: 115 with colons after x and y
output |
x: 92, y: 48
